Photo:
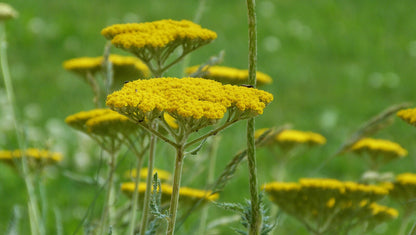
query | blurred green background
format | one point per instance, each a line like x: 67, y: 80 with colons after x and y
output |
x: 335, y: 64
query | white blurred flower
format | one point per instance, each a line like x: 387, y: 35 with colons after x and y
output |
x: 328, y: 119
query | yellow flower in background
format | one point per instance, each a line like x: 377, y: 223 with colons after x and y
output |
x: 188, y: 100
x: 125, y: 68
x: 187, y: 195
x: 404, y: 189
x: 330, y: 202
x: 379, y: 151
x: 408, y: 115
x: 161, y: 174
x: 379, y: 146
x: 78, y: 121
x: 229, y: 75
x: 111, y: 124
x: 36, y: 158
x: 301, y: 137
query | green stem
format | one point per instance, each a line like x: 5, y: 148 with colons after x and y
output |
x: 135, y: 195
x: 213, y: 132
x: 255, y: 220
x: 210, y: 179
x: 175, y: 190
x: 413, y: 230
x: 405, y: 222
x: 107, y: 214
x: 95, y: 88
x: 150, y: 166
x: 34, y: 214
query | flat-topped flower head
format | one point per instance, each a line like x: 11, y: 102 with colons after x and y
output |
x: 288, y: 139
x: 379, y: 146
x: 190, y: 101
x: 161, y: 174
x: 187, y: 195
x: 78, y: 121
x: 408, y: 115
x: 7, y: 12
x: 379, y: 151
x: 125, y: 68
x: 111, y: 124
x: 229, y: 75
x: 331, y: 202
x: 155, y: 41
x: 36, y: 158
x: 404, y: 189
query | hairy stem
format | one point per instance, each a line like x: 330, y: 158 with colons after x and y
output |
x: 107, y: 214
x: 255, y: 220
x: 149, y: 178
x: 175, y: 190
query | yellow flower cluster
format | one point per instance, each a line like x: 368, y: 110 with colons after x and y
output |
x: 408, y: 115
x: 124, y: 67
x: 314, y: 200
x: 7, y: 12
x: 379, y: 146
x: 404, y: 189
x: 161, y: 174
x: 193, y: 98
x: 35, y: 157
x: 186, y: 194
x: 229, y: 75
x: 157, y: 34
x: 101, y: 122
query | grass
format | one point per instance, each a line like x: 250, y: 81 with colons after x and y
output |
x: 334, y: 64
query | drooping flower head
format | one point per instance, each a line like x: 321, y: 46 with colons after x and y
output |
x: 36, y: 158
x: 155, y: 41
x: 229, y: 75
x: 193, y: 102
x: 187, y: 195
x: 328, y: 201
x: 408, y: 115
x: 125, y: 68
x: 380, y: 151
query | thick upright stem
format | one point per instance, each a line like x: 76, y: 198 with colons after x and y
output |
x: 34, y: 214
x: 135, y: 196
x: 175, y: 190
x: 150, y: 166
x: 255, y: 220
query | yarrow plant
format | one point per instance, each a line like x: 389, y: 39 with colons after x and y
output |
x: 408, y: 115
x: 194, y: 103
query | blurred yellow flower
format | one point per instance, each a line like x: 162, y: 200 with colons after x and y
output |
x: 229, y: 75
x: 78, y: 121
x: 111, y: 124
x: 408, y: 115
x: 379, y: 146
x: 36, y: 158
x: 187, y: 195
x: 404, y: 190
x: 7, y: 12
x: 161, y: 174
x: 125, y: 68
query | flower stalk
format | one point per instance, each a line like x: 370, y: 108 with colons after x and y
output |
x: 256, y: 217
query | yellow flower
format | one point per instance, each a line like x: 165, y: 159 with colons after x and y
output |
x: 186, y: 99
x: 111, y: 124
x: 375, y: 146
x: 161, y: 174
x: 36, y: 158
x: 155, y: 41
x: 125, y: 68
x: 78, y: 121
x: 381, y: 211
x: 170, y: 121
x: 187, y: 195
x: 295, y: 136
x: 229, y: 75
x: 404, y: 189
x: 408, y: 115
